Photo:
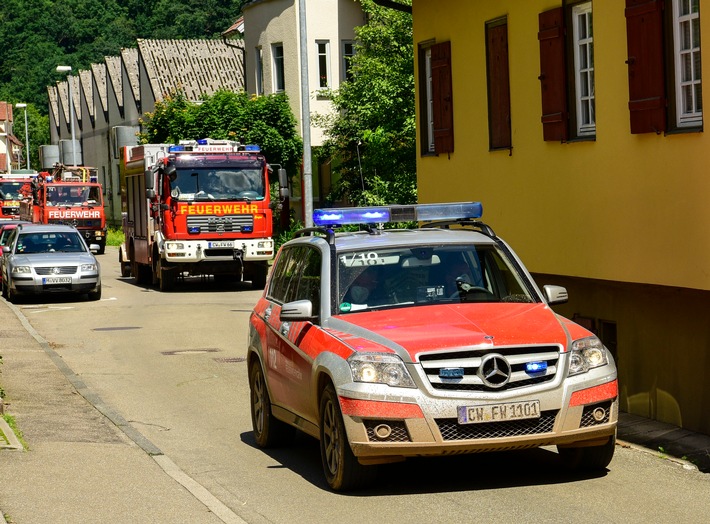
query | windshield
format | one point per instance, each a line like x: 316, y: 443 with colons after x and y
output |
x: 210, y: 184
x: 74, y: 195
x: 10, y: 190
x: 392, y: 277
x: 69, y: 242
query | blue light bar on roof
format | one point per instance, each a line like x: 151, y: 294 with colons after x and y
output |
x: 380, y: 214
x: 176, y: 149
x: 252, y: 148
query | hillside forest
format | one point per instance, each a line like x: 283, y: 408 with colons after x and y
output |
x: 38, y: 35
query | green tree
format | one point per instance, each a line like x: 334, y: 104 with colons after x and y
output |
x: 372, y: 138
x: 264, y: 120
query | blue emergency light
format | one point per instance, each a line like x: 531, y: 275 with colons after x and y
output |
x: 252, y: 148
x: 176, y: 149
x: 380, y: 214
x: 535, y: 367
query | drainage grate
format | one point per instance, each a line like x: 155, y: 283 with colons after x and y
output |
x: 230, y: 360
x: 124, y: 328
x: 190, y: 351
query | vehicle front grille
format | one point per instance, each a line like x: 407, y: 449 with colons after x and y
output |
x: 470, y: 362
x: 398, y: 431
x: 451, y: 430
x: 64, y: 270
x: 219, y: 224
x: 588, y: 419
x: 78, y: 223
x: 10, y: 211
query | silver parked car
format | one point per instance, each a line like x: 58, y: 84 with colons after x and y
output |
x: 49, y: 258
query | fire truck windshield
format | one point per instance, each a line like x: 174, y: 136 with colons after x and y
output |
x: 73, y: 195
x: 218, y: 184
x: 10, y: 190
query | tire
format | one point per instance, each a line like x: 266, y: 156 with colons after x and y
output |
x: 269, y: 432
x: 258, y: 276
x: 340, y: 466
x: 595, y: 458
x: 125, y: 269
x: 167, y: 278
x: 95, y: 295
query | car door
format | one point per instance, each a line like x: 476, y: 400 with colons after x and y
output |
x: 288, y: 361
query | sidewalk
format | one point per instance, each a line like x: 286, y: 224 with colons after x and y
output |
x: 87, y: 464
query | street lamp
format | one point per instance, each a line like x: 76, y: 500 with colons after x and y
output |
x: 27, y: 134
x: 67, y: 69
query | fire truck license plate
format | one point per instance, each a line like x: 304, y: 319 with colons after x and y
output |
x: 56, y: 280
x: 499, y: 412
x: 221, y: 244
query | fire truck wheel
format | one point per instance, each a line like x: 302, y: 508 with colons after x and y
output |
x: 125, y: 269
x: 167, y: 278
x: 268, y: 430
x: 341, y: 467
x: 258, y: 277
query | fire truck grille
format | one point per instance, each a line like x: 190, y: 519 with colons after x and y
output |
x: 461, y: 370
x: 451, y: 430
x: 65, y: 270
x: 219, y: 224
x: 78, y: 223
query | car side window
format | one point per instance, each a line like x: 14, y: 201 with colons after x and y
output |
x: 297, y: 276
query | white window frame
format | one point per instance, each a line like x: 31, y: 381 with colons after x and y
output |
x: 346, y: 58
x: 686, y: 57
x: 278, y: 67
x: 429, y: 93
x: 583, y: 50
x: 323, y: 61
x: 259, y: 71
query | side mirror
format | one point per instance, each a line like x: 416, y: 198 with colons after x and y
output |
x: 555, y: 294
x: 150, y: 194
x: 94, y: 248
x: 283, y: 183
x: 149, y: 179
x: 170, y: 171
x: 297, y: 311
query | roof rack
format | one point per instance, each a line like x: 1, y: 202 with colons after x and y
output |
x: 446, y: 224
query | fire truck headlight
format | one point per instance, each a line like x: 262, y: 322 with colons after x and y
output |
x: 263, y: 244
x: 174, y: 245
x: 380, y: 369
x: 587, y: 353
x: 21, y: 269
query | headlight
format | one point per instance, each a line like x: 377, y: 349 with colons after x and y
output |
x: 21, y: 269
x: 174, y: 245
x: 380, y: 369
x: 89, y: 267
x: 587, y: 353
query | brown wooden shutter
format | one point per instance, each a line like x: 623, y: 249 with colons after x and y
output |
x: 3, y: 162
x: 442, y: 98
x: 499, y: 129
x: 553, y: 74
x: 644, y: 42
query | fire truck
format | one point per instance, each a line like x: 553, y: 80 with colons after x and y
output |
x: 13, y: 188
x: 68, y: 195
x: 197, y: 208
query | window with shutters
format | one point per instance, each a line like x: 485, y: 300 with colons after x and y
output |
x: 665, y: 77
x: 686, y: 54
x: 436, y: 99
x: 499, y: 125
x: 566, y: 39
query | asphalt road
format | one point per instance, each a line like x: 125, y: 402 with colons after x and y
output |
x: 172, y: 365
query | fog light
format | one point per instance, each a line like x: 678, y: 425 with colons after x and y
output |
x: 382, y: 431
x: 599, y: 414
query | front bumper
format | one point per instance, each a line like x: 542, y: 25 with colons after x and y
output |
x: 579, y: 411
x: 194, y: 251
x: 36, y: 284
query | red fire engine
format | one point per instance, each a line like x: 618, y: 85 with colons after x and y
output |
x: 13, y: 188
x: 196, y: 208
x: 69, y: 195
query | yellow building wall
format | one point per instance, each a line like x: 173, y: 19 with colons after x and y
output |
x: 628, y: 208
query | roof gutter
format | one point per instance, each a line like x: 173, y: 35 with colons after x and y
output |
x: 394, y: 5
